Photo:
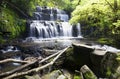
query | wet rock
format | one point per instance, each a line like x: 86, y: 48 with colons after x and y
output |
x: 116, y: 75
x: 32, y: 77
x: 82, y: 54
x: 10, y: 52
x: 48, y: 52
x: 110, y: 64
x: 61, y: 77
x: 69, y: 59
x: 87, y: 72
x: 96, y: 57
x: 56, y: 74
x: 31, y: 50
x: 66, y: 73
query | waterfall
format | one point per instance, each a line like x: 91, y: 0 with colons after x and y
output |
x: 51, y: 23
x: 79, y: 29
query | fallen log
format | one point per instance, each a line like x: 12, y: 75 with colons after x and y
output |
x: 27, y: 65
x: 13, y: 60
x: 38, y: 68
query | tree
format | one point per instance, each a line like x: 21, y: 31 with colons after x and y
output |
x: 99, y: 14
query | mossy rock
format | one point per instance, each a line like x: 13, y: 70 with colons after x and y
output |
x: 82, y: 54
x: 32, y: 77
x: 54, y: 75
x: 110, y: 64
x: 77, y: 56
x: 87, y: 72
x: 77, y: 77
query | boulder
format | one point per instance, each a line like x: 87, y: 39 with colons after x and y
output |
x: 87, y: 73
x: 96, y: 57
x: 66, y: 73
x: 56, y: 74
x: 82, y: 54
x: 32, y: 77
x: 110, y: 65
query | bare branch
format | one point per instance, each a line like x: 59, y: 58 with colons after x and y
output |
x: 13, y: 60
x: 37, y: 69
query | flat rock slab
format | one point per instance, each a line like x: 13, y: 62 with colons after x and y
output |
x: 83, y: 46
x: 99, y: 52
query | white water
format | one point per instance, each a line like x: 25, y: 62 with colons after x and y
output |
x: 106, y: 48
x: 9, y: 49
x: 45, y: 24
x: 50, y: 29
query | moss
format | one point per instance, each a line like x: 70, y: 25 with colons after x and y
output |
x: 10, y: 22
x: 2, y: 41
x: 69, y: 55
x: 89, y: 75
x: 77, y: 77
x: 69, y: 51
x: 107, y: 41
x: 118, y: 57
x: 108, y: 73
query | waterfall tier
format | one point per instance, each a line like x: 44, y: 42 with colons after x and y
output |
x: 49, y: 29
x: 50, y: 23
x: 49, y: 14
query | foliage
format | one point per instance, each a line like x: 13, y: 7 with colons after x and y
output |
x: 108, y: 73
x: 99, y: 16
x: 107, y: 41
x: 10, y: 22
x: 116, y: 29
x: 14, y: 12
x: 67, y: 5
x: 89, y: 75
x: 77, y: 77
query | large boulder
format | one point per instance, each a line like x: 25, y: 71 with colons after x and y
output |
x: 96, y: 57
x: 110, y: 65
x: 82, y: 54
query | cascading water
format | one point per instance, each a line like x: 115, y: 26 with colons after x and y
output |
x: 51, y: 22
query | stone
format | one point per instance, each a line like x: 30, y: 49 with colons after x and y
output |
x: 32, y: 77
x: 61, y: 77
x: 110, y: 64
x: 66, y: 73
x: 96, y: 57
x: 116, y: 75
x: 87, y: 72
x: 82, y: 54
x: 56, y: 74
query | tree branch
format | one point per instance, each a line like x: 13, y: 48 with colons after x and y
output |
x: 28, y: 65
x: 110, y: 5
x: 13, y: 60
x: 23, y: 13
x: 36, y: 69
